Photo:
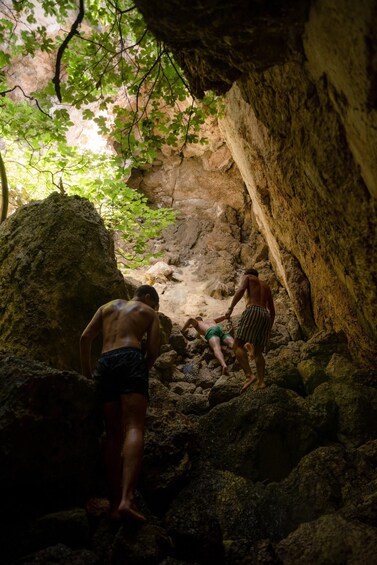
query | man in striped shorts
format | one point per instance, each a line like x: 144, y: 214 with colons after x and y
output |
x: 254, y: 326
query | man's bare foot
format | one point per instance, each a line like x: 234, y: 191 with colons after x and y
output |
x: 261, y: 385
x: 248, y: 383
x: 127, y: 510
x: 225, y: 370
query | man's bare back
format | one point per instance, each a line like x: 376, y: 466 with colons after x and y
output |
x: 257, y: 292
x: 122, y: 386
x: 124, y: 323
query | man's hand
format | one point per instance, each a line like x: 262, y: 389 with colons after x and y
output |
x: 190, y: 322
x: 228, y: 313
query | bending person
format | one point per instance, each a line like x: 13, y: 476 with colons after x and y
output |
x: 215, y: 336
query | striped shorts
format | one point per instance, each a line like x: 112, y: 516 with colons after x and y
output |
x: 254, y: 326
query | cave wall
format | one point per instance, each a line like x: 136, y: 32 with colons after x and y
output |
x: 301, y: 124
x: 215, y: 234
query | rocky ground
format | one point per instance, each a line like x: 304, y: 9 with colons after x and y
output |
x: 268, y: 476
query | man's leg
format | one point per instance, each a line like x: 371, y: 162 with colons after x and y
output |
x: 134, y: 407
x: 243, y: 360
x: 250, y: 350
x: 260, y: 364
x: 112, y: 453
x: 229, y: 341
x: 214, y: 343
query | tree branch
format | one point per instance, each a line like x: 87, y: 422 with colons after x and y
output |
x: 187, y: 127
x: 117, y: 9
x: 4, y: 92
x: 4, y: 191
x: 179, y: 74
x: 63, y: 46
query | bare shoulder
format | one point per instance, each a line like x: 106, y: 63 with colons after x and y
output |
x: 253, y: 281
x: 244, y: 281
x: 114, y: 305
x: 148, y: 312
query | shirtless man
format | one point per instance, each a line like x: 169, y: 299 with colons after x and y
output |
x: 121, y: 375
x: 254, y: 326
x: 215, y: 336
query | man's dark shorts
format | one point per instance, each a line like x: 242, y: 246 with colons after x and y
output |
x: 121, y: 371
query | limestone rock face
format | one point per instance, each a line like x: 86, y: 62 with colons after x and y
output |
x: 301, y: 210
x: 57, y: 266
x: 214, y: 239
x: 301, y: 126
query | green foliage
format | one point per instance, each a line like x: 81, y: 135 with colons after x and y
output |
x: 117, y: 75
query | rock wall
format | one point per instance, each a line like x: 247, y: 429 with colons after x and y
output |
x: 212, y: 238
x: 215, y: 237
x: 301, y: 124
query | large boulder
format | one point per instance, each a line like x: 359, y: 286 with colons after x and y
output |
x: 323, y: 482
x: 224, y: 389
x: 259, y: 435
x: 346, y: 412
x: 57, y: 266
x: 231, y: 502
x: 62, y: 555
x: 312, y: 374
x: 215, y: 506
x: 70, y: 527
x: 330, y: 539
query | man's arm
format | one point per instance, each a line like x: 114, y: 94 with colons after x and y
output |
x: 153, y: 341
x: 190, y: 322
x: 91, y: 331
x: 220, y: 319
x: 237, y: 297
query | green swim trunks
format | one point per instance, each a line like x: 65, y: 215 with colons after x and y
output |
x: 218, y: 332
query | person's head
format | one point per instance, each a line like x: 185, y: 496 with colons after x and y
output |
x: 149, y: 295
x: 252, y: 271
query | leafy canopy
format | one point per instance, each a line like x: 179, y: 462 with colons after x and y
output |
x: 111, y: 70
